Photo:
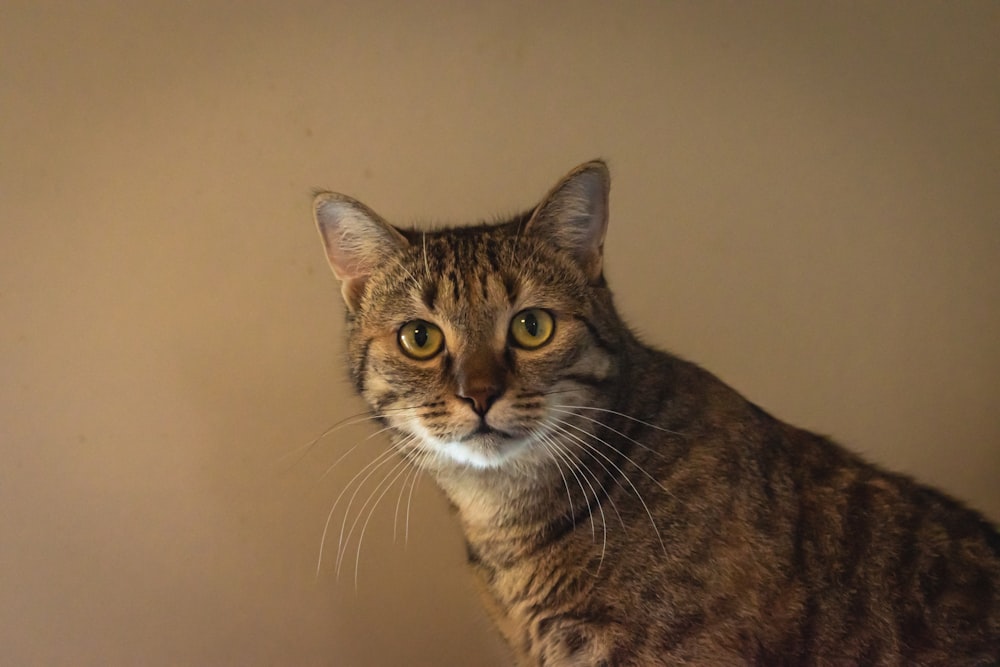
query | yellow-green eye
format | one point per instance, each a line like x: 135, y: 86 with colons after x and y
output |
x: 532, y: 328
x: 420, y: 340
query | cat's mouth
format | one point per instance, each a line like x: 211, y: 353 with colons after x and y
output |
x: 486, y: 429
x: 487, y: 439
x: 485, y: 447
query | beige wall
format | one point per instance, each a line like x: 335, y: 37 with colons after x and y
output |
x: 806, y: 201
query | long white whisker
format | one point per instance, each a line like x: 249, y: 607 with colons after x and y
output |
x: 347, y: 453
x: 595, y: 450
x: 608, y: 444
x: 553, y: 451
x: 613, y: 430
x: 620, y: 414
x: 428, y: 454
x: 415, y: 458
x: 578, y: 466
x: 427, y: 266
x: 364, y: 526
x: 349, y: 421
x: 411, y: 473
x: 575, y: 470
x: 376, y: 462
x: 572, y: 390
x: 517, y: 239
x: 353, y: 420
x: 383, y: 459
x: 584, y: 470
x: 399, y: 263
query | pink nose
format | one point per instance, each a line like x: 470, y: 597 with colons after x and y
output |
x: 480, y: 379
x: 481, y: 395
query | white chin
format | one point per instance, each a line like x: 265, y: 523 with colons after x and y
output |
x: 479, y: 453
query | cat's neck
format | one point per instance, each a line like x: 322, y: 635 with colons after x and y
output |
x: 503, y: 513
x: 502, y: 496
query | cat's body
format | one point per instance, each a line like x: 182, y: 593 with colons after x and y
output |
x: 622, y: 506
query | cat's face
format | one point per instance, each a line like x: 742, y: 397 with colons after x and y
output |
x: 474, y: 343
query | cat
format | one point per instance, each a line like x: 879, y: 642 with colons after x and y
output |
x: 620, y: 505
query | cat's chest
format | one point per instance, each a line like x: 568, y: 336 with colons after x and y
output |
x: 539, y: 625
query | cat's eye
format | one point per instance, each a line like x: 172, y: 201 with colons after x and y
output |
x: 532, y: 328
x: 420, y: 340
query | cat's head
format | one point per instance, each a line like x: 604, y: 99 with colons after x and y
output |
x: 476, y: 343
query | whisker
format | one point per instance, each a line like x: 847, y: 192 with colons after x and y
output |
x: 371, y: 512
x: 341, y: 540
x: 415, y: 458
x: 359, y: 418
x: 615, y: 449
x: 352, y: 420
x: 377, y: 462
x: 619, y: 469
x: 559, y: 391
x: 517, y: 239
x: 427, y: 266
x: 347, y: 453
x: 411, y: 473
x: 428, y: 454
x: 584, y: 470
x: 535, y: 434
x: 613, y: 430
x: 578, y: 466
x: 621, y: 414
x: 399, y: 262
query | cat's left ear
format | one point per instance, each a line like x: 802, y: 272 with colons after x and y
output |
x: 358, y: 241
x: 574, y: 216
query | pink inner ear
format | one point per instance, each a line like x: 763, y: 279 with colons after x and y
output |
x: 352, y: 291
x: 345, y: 265
x: 574, y: 216
x: 357, y: 241
x: 351, y: 274
x: 350, y: 269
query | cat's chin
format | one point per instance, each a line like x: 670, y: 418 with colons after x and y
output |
x: 483, y: 449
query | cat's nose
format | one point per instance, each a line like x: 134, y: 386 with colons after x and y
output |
x: 480, y: 396
x: 479, y: 380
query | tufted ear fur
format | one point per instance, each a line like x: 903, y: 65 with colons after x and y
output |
x: 357, y: 241
x: 574, y: 216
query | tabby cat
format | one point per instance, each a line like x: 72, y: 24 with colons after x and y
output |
x: 622, y: 506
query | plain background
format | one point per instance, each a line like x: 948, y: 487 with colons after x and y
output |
x: 805, y: 201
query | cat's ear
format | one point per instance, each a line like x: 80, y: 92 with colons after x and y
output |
x: 357, y: 241
x: 574, y: 216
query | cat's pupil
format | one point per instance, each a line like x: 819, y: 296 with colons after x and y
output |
x: 530, y: 324
x: 420, y: 335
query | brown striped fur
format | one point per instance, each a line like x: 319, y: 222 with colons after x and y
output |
x: 623, y: 506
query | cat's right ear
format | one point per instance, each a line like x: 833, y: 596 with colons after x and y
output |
x: 574, y: 216
x: 358, y: 242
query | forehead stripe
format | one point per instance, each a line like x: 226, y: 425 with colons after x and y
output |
x: 430, y: 293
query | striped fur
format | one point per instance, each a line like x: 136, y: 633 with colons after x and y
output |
x: 622, y: 506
